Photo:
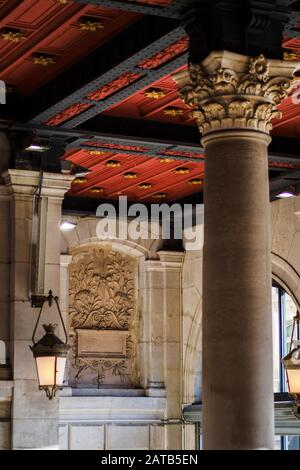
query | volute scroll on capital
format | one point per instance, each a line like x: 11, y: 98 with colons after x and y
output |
x: 229, y: 90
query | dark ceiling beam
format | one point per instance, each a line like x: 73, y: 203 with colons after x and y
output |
x: 130, y: 65
x: 249, y: 27
x: 138, y: 36
x: 172, y: 11
x: 282, y: 150
x: 145, y: 129
x: 148, y: 78
x: 155, y: 149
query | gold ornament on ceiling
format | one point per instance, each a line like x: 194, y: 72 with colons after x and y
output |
x: 173, y: 112
x: 80, y: 181
x: 145, y: 185
x: 166, y: 160
x: 13, y: 36
x: 129, y: 175
x: 155, y: 93
x: 160, y: 195
x: 96, y: 152
x: 182, y: 170
x: 96, y: 190
x: 112, y: 164
x: 43, y: 60
x: 290, y: 55
x: 90, y: 25
x: 196, y: 181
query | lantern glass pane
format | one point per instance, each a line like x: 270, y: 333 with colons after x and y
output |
x: 46, y: 370
x: 60, y: 370
x: 294, y: 380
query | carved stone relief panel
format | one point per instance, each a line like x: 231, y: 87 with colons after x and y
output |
x: 103, y: 315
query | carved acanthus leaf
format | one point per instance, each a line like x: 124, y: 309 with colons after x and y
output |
x: 225, y: 98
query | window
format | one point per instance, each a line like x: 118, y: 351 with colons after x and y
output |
x: 283, y: 311
x: 287, y: 442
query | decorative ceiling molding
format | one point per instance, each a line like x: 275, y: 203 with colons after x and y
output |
x: 67, y: 114
x: 115, y: 146
x: 166, y: 54
x: 113, y: 86
x: 66, y: 30
x: 169, y: 9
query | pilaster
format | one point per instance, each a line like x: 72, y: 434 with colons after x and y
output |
x: 34, y: 417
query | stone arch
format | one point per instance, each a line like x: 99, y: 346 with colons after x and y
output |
x: 282, y: 272
x: 192, y: 326
x: 86, y: 233
x: 286, y: 276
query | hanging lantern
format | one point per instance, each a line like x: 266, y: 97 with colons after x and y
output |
x: 50, y: 353
x: 291, y: 363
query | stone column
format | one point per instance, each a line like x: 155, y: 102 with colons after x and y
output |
x: 34, y: 417
x: 234, y: 99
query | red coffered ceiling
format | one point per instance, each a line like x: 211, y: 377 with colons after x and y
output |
x: 159, y: 102
x: 139, y: 177
x: 41, y: 38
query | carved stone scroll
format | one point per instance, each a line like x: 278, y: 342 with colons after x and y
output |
x: 103, y: 318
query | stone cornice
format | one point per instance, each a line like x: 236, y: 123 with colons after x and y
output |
x: 25, y: 182
x: 232, y: 91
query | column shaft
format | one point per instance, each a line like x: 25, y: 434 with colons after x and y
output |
x: 237, y: 321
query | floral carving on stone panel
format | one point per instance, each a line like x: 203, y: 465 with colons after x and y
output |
x: 226, y: 98
x: 103, y: 318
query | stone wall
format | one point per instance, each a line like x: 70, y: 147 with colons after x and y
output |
x: 143, y: 412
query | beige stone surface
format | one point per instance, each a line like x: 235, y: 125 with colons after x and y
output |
x: 63, y: 432
x: 283, y: 233
x: 31, y: 403
x: 157, y: 437
x: 128, y: 437
x: 31, y: 434
x: 86, y: 437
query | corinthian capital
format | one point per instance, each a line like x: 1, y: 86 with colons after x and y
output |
x: 229, y: 90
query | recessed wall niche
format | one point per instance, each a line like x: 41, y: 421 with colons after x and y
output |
x: 103, y: 318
